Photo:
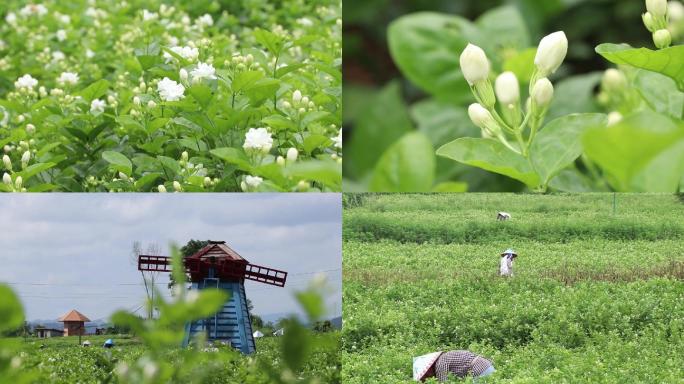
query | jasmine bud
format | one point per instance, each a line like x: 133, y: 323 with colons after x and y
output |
x: 542, y: 92
x: 474, y: 64
x: 551, y: 53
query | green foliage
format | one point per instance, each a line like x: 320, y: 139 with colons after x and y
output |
x: 138, y: 140
x: 665, y: 61
x: 596, y: 292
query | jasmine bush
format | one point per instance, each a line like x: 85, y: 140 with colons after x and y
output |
x: 170, y: 96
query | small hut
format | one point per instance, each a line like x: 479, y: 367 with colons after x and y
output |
x: 42, y: 332
x: 74, y: 323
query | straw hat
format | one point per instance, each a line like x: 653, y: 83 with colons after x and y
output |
x: 422, y: 364
x: 509, y: 251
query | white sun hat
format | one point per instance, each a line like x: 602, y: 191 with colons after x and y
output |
x: 422, y: 364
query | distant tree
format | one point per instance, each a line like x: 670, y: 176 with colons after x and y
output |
x: 189, y: 249
x: 257, y: 322
x: 323, y: 326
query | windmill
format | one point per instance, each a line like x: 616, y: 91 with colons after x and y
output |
x: 218, y: 266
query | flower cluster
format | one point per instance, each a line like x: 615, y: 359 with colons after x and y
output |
x: 656, y: 21
x: 510, y: 119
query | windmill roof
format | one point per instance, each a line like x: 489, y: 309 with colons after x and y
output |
x: 73, y: 315
x: 220, y: 250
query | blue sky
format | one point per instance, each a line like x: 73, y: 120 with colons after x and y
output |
x: 73, y: 251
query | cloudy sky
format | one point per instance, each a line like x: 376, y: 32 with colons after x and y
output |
x: 73, y: 251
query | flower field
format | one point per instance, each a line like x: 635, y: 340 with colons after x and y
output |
x: 140, y: 96
x: 596, y: 295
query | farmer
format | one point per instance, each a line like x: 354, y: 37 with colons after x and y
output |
x: 506, y: 264
x: 458, y: 363
x: 109, y: 343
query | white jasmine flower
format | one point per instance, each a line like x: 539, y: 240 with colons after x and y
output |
x: 26, y: 81
x: 337, y: 140
x: 33, y: 10
x: 474, y: 64
x: 136, y: 101
x: 161, y: 188
x: 258, y: 139
x: 305, y: 22
x: 507, y: 89
x: 177, y: 186
x: 551, y: 52
x: 542, y: 92
x: 58, y: 56
x: 203, y: 71
x: 296, y: 96
x: 6, y: 178
x: 147, y: 15
x: 7, y: 162
x: 65, y: 19
x: 90, y: 54
x: 11, y: 18
x: 30, y: 129
x: 97, y: 106
x: 188, y: 53
x: 205, y: 20
x: 61, y: 35
x: 183, y: 74
x: 169, y: 90
x: 253, y: 181
x: 67, y: 78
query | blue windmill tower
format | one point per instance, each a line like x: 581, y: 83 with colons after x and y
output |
x: 218, y: 266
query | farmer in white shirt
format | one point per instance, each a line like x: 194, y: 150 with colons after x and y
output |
x: 506, y: 264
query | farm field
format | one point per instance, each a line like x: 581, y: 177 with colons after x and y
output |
x: 596, y: 295
x: 61, y: 360
x: 156, y: 96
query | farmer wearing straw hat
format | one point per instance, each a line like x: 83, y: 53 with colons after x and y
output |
x: 458, y: 363
x: 506, y: 264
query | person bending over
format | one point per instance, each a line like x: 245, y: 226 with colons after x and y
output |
x: 458, y: 363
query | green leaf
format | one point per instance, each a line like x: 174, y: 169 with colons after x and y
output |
x: 11, y: 312
x: 94, y: 90
x: 279, y: 123
x: 262, y: 90
x: 170, y: 167
x: 202, y: 93
x: 504, y: 27
x: 118, y: 161
x: 643, y: 152
x: 270, y: 40
x: 574, y: 94
x: 327, y: 172
x: 407, y: 166
x: 522, y: 64
x: 315, y: 141
x: 35, y: 169
x: 558, y: 144
x: 282, y: 71
x: 246, y: 80
x: 490, y: 155
x: 667, y: 61
x: 426, y: 48
x: 660, y: 92
x: 376, y: 130
x: 233, y: 156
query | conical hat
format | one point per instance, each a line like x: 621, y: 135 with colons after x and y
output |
x: 422, y: 364
x: 509, y: 251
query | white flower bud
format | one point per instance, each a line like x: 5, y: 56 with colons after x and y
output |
x: 480, y: 116
x: 286, y: 105
x: 305, y: 100
x: 507, y: 89
x: 6, y: 178
x: 30, y: 129
x: 657, y: 8
x: 542, y: 92
x: 177, y: 186
x: 207, y: 181
x: 136, y: 101
x: 123, y: 176
x: 161, y: 188
x: 17, y: 183
x: 474, y: 64
x: 675, y: 11
x: 292, y: 155
x: 183, y: 74
x: 7, y: 162
x: 551, y: 53
x: 151, y: 104
x: 184, y: 156
x: 662, y: 38
x: 303, y: 186
x: 647, y: 18
x: 614, y: 118
x: 296, y: 96
x: 613, y: 80
x: 243, y: 186
x: 280, y: 161
x: 7, y: 148
x: 26, y: 157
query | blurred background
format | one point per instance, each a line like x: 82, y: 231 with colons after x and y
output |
x: 370, y: 69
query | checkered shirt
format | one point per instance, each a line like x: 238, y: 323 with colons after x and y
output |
x: 460, y: 363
